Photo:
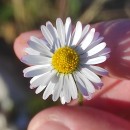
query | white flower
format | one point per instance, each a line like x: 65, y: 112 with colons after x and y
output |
x: 63, y: 63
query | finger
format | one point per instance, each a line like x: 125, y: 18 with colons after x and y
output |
x: 114, y: 97
x: 76, y: 118
x: 21, y: 42
x: 117, y: 37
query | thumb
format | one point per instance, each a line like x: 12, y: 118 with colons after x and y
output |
x: 76, y: 118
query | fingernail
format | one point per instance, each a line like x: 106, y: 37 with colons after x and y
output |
x: 53, y: 125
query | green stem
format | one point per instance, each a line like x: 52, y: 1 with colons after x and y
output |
x: 80, y: 99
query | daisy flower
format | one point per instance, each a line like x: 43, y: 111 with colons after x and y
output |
x: 62, y: 64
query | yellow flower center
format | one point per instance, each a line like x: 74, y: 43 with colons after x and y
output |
x: 65, y: 60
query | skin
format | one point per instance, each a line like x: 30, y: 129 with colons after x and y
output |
x: 110, y: 107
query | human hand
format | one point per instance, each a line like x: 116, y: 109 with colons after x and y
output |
x: 110, y: 107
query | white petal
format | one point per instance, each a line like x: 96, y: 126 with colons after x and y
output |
x: 48, y: 91
x: 33, y: 79
x: 98, y: 85
x: 89, y: 86
x: 35, y: 60
x: 51, y: 29
x: 107, y: 55
x: 39, y: 89
x: 38, y: 80
x: 81, y: 86
x: 72, y: 87
x: 90, y: 75
x: 66, y: 91
x: 98, y: 70
x: 35, y: 46
x: 88, y: 39
x: 62, y: 98
x: 105, y: 51
x: 68, y: 29
x: 89, y: 97
x: 58, y: 88
x: 36, y: 70
x: 96, y: 36
x: 31, y: 51
x: 61, y: 31
x: 58, y: 41
x: 47, y: 34
x: 39, y: 42
x: 95, y: 42
x: 96, y: 49
x: 40, y: 48
x: 44, y: 79
x: 50, y: 87
x: 53, y: 32
x: 96, y: 60
x: 77, y: 34
x: 84, y: 32
x: 83, y: 57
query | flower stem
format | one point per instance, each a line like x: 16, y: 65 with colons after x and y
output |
x: 80, y: 99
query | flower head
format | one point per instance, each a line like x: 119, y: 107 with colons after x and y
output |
x: 63, y: 63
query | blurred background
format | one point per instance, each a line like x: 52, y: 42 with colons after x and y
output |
x: 18, y: 104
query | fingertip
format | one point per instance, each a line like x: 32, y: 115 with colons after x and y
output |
x: 20, y: 42
x: 19, y: 46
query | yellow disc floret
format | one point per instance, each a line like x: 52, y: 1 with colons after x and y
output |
x: 65, y: 60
